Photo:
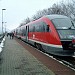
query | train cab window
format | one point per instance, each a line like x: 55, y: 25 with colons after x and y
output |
x: 47, y: 28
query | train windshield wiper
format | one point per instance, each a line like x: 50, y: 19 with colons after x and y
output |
x: 71, y: 25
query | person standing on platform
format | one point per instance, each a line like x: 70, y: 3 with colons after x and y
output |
x: 12, y: 35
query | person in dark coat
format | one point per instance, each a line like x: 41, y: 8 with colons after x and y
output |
x: 11, y: 35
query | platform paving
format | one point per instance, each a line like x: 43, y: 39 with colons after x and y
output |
x: 16, y: 60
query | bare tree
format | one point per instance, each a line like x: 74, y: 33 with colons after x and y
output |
x: 67, y: 9
x: 27, y: 20
x: 73, y: 1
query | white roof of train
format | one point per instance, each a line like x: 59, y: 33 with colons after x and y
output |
x: 52, y: 16
x: 55, y: 16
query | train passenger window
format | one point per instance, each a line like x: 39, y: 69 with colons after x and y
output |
x: 45, y: 27
x: 41, y: 28
x: 37, y: 28
x: 29, y: 28
x: 23, y: 31
x: 33, y: 28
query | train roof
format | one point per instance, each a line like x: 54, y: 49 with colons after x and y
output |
x: 52, y: 16
x: 55, y: 16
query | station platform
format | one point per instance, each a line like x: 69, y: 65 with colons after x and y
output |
x: 16, y: 60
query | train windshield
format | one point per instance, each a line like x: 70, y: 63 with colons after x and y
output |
x: 65, y: 28
x: 62, y: 23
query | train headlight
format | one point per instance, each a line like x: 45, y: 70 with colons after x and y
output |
x: 73, y: 40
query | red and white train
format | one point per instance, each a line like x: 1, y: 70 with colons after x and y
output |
x: 55, y: 34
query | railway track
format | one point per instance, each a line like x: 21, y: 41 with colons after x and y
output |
x: 67, y: 61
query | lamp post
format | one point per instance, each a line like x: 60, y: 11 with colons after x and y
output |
x: 2, y: 20
x: 5, y: 27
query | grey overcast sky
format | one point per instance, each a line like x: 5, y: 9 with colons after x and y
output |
x: 17, y: 10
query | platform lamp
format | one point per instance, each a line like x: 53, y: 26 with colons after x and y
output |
x: 2, y: 19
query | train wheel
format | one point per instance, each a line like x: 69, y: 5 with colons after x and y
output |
x: 38, y: 46
x: 35, y: 44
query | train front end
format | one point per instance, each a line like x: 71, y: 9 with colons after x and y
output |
x: 66, y: 31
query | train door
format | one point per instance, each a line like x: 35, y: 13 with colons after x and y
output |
x: 27, y: 31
